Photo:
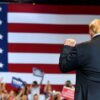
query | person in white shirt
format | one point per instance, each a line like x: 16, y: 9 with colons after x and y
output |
x: 35, y: 89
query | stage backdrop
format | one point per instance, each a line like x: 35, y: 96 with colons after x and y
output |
x: 33, y: 35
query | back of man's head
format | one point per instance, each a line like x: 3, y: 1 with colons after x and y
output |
x: 94, y: 27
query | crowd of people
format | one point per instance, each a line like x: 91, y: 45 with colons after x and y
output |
x: 32, y: 92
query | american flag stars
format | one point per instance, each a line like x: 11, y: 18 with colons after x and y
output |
x: 0, y: 9
x: 1, y: 65
x: 1, y: 36
x: 0, y: 22
x: 1, y: 50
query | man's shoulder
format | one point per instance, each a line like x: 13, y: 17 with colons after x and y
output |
x: 84, y: 44
x: 83, y: 47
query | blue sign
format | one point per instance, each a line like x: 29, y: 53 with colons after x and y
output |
x: 17, y: 82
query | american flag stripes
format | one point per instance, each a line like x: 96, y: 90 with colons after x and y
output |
x: 35, y: 36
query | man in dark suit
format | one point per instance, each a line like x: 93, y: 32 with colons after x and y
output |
x: 85, y: 59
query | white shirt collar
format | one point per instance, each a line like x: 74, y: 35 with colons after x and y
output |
x: 96, y: 35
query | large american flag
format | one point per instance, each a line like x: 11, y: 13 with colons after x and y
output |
x: 33, y: 35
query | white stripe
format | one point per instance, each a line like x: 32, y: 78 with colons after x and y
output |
x: 44, y: 38
x: 31, y: 58
x: 57, y: 79
x: 50, y: 18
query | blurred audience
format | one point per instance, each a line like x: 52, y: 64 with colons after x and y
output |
x: 32, y: 92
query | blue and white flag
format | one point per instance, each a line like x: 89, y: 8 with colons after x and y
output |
x: 17, y: 82
x: 38, y: 72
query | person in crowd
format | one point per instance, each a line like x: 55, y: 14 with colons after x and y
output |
x: 57, y: 96
x: 24, y: 97
x: 85, y: 59
x: 69, y: 84
x: 3, y: 90
x: 3, y: 96
x: 29, y: 93
x: 23, y: 94
x: 47, y: 90
x: 12, y: 95
x: 35, y: 97
x: 35, y: 88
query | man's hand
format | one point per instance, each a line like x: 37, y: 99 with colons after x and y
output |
x: 70, y: 42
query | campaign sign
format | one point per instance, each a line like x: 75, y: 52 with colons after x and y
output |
x: 68, y: 93
x: 38, y: 72
x: 17, y: 82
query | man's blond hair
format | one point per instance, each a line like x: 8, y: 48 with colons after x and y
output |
x: 95, y: 26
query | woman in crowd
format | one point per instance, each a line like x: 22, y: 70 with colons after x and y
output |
x: 47, y: 90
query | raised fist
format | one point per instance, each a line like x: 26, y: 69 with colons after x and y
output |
x: 70, y: 42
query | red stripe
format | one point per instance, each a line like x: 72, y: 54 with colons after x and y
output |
x: 45, y: 28
x: 27, y: 68
x: 60, y: 9
x: 37, y: 48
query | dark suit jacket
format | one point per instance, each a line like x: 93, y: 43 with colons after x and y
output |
x: 85, y: 59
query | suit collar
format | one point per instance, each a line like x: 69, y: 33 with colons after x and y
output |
x: 96, y: 35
